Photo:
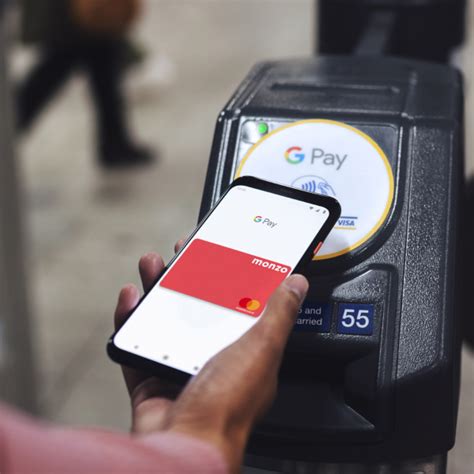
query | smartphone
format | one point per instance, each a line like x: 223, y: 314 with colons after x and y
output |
x: 216, y: 288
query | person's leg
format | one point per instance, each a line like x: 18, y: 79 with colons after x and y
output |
x: 54, y: 67
x: 104, y: 61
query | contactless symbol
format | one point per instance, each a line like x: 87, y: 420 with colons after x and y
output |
x: 294, y: 155
x: 249, y: 304
x: 314, y: 184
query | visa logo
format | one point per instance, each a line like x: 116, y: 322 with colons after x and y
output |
x: 347, y: 222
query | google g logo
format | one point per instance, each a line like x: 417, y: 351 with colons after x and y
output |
x: 294, y: 155
x: 265, y: 220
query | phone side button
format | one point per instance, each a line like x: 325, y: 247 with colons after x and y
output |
x: 316, y: 250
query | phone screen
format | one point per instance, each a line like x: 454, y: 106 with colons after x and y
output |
x: 218, y: 286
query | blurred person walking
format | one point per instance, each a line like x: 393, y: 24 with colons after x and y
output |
x: 88, y: 35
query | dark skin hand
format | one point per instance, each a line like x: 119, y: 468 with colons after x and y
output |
x: 233, y: 390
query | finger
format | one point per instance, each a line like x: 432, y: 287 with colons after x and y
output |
x: 179, y: 245
x: 259, y: 352
x: 127, y: 300
x: 279, y: 317
x: 154, y: 387
x: 150, y: 266
x: 151, y: 401
x: 217, y: 399
x: 150, y: 415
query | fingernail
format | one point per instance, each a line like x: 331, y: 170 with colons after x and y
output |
x: 299, y: 285
x: 127, y: 289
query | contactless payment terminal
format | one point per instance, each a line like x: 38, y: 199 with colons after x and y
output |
x: 325, y: 157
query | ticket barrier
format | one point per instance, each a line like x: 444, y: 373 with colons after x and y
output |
x: 371, y: 373
x: 429, y: 30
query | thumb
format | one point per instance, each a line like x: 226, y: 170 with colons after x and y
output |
x: 236, y: 386
x: 280, y: 314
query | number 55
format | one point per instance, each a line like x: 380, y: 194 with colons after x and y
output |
x: 356, y: 319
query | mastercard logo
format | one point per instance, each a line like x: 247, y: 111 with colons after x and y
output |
x: 249, y: 304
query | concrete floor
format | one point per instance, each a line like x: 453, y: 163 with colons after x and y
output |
x: 87, y: 228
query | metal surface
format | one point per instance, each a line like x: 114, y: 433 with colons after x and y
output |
x: 17, y: 379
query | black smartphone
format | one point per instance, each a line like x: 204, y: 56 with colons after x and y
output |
x: 217, y: 286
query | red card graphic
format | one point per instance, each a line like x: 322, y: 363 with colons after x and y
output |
x: 225, y: 277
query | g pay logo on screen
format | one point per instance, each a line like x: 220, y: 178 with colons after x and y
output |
x: 225, y: 277
x: 264, y: 220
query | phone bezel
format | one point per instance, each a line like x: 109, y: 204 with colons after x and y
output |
x: 332, y: 205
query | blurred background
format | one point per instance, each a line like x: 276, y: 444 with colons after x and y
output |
x: 88, y: 221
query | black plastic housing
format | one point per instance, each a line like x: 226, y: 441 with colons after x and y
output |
x: 417, y: 29
x: 393, y: 395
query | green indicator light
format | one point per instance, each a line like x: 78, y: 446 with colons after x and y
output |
x: 262, y: 128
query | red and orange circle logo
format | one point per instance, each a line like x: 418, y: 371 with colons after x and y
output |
x: 249, y: 304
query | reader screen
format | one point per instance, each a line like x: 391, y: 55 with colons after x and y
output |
x: 218, y: 286
x: 322, y: 156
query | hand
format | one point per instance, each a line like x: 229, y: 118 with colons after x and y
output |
x: 232, y: 391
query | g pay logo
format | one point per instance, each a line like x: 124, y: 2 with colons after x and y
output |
x: 265, y: 220
x: 294, y: 155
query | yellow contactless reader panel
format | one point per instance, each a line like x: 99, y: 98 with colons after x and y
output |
x: 325, y: 157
